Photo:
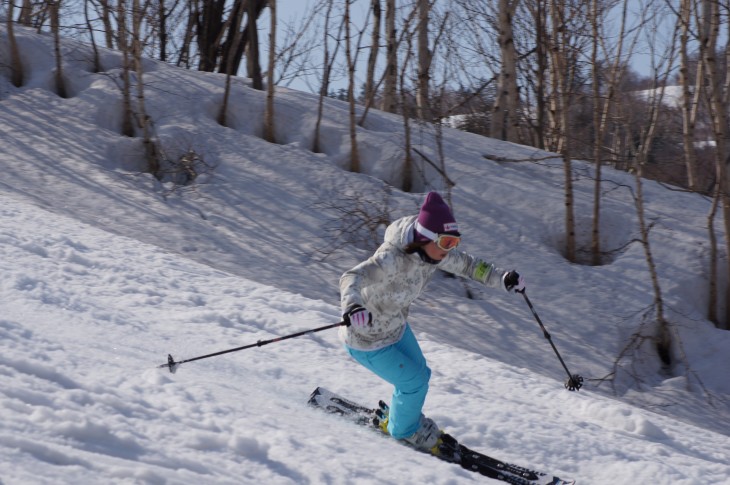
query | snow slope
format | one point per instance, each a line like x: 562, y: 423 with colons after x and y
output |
x: 106, y: 271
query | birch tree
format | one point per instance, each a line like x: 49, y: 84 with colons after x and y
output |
x: 55, y: 9
x: 237, y: 20
x: 122, y: 41
x: 424, y: 62
x: 604, y: 100
x: 144, y: 122
x: 391, y: 68
x: 328, y: 61
x: 504, y: 125
x: 691, y: 92
x: 710, y: 23
x: 370, y: 86
x: 354, y: 155
x: 559, y: 103
x: 269, y: 111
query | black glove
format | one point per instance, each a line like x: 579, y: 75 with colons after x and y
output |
x: 512, y: 281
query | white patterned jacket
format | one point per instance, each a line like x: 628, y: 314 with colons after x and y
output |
x: 390, y: 280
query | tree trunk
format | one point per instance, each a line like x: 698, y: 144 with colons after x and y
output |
x: 183, y: 59
x: 663, y: 335
x: 236, y: 27
x: 504, y: 113
x: 541, y: 41
x: 407, y: 173
x: 26, y: 12
x: 92, y: 40
x: 16, y: 65
x: 424, y: 62
x: 210, y: 30
x: 391, y: 68
x: 106, y: 18
x: 712, y: 292
x: 127, y: 112
x: 269, y: 113
x: 601, y: 110
x: 143, y: 120
x: 324, y: 89
x: 55, y: 7
x: 253, y: 65
x: 710, y: 26
x: 370, y: 91
x: 162, y: 34
x: 354, y: 156
x: 561, y: 117
x: 689, y: 110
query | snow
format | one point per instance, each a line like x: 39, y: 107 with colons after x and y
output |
x: 107, y: 271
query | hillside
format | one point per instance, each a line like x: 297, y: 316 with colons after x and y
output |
x: 106, y: 271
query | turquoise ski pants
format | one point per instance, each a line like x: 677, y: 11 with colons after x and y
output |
x: 403, y: 365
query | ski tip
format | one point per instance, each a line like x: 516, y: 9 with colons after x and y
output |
x: 314, y: 394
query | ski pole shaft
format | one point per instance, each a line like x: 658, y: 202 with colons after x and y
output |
x: 171, y: 364
x: 574, y: 382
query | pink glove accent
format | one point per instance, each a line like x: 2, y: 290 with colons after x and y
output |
x: 360, y: 318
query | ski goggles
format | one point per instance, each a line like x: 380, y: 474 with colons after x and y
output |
x: 445, y: 242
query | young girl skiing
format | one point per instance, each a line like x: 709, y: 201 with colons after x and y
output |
x: 376, y: 295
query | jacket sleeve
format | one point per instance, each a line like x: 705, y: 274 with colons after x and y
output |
x: 468, y: 266
x: 354, y: 281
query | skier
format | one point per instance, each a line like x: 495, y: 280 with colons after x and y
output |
x: 376, y: 295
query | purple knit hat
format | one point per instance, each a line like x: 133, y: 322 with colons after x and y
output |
x: 435, y: 218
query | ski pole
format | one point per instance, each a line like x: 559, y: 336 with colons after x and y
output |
x: 172, y: 365
x: 574, y: 381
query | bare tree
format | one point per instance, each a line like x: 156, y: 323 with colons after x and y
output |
x: 55, y: 7
x: 106, y: 14
x: 183, y: 59
x: 144, y: 122
x: 127, y: 111
x: 164, y: 11
x: 662, y: 338
x: 712, y: 291
x: 328, y: 61
x: 26, y: 12
x: 603, y: 101
x: 237, y: 20
x: 370, y: 88
x: 560, y: 102
x: 424, y: 62
x: 710, y: 23
x: 407, y: 171
x: 354, y: 155
x: 391, y: 69
x: 92, y: 40
x: 690, y: 94
x: 17, y: 73
x: 504, y: 124
x: 253, y: 65
x: 538, y: 70
x: 209, y: 32
x: 269, y: 112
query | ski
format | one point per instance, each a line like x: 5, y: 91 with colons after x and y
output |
x: 449, y: 450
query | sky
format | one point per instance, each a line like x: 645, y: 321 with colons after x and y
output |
x: 293, y: 12
x: 106, y: 271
